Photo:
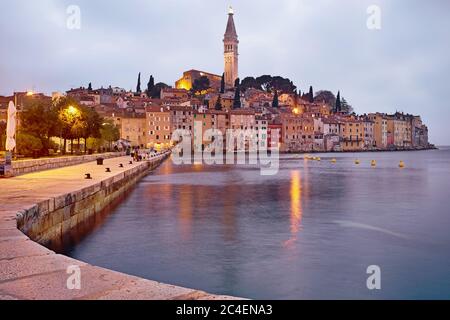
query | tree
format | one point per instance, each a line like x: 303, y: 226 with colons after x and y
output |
x: 282, y: 84
x: 338, y: 106
x: 346, y: 107
x: 275, y: 102
x: 265, y: 82
x: 270, y: 84
x: 90, y: 87
x: 40, y: 119
x: 156, y: 92
x: 218, y: 105
x: 311, y: 94
x: 222, y: 84
x: 27, y: 144
x: 69, y: 114
x: 91, y: 126
x: 138, y: 88
x: 327, y: 97
x: 109, y: 132
x: 250, y: 82
x: 237, y: 95
x: 201, y: 84
x: 150, y: 86
x: 237, y: 83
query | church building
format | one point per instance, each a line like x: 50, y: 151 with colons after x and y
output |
x: 231, y: 59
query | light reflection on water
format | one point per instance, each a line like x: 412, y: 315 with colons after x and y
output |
x: 308, y: 232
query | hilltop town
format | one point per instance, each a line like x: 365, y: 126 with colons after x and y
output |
x: 306, y: 121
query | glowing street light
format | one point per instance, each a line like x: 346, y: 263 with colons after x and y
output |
x: 72, y: 110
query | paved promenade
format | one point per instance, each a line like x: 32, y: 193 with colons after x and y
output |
x: 30, y: 271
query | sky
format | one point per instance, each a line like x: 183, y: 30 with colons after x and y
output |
x: 404, y: 66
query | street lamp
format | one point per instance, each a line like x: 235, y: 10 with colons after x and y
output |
x: 72, y: 110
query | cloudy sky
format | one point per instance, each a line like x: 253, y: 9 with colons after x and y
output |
x: 405, y: 66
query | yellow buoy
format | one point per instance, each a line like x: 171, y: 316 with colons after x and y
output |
x: 357, y: 161
x: 373, y: 163
x: 318, y: 159
x: 333, y: 161
x: 401, y: 164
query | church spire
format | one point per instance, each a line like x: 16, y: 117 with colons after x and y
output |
x: 230, y: 33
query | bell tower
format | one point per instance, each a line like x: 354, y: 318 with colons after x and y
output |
x: 231, y: 54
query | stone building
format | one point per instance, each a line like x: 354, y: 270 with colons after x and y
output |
x: 159, y: 127
x: 186, y: 82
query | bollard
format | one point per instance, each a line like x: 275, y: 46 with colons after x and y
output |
x: 88, y: 176
x: 121, y: 165
x: 131, y: 162
x: 108, y: 169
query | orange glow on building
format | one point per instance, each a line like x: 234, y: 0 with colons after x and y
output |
x: 184, y: 84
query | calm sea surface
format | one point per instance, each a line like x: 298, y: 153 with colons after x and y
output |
x: 309, y: 232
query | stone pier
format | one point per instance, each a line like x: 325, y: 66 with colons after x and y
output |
x: 45, y: 205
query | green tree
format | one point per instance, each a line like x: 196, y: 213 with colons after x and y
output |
x: 27, y: 144
x: 109, y: 132
x: 150, y: 86
x: 69, y: 114
x: 201, y: 84
x: 346, y: 107
x: 311, y: 94
x: 338, y: 105
x: 138, y: 87
x: 156, y: 92
x: 325, y: 96
x: 269, y: 84
x: 222, y: 84
x: 250, y: 82
x: 275, y: 102
x: 40, y: 119
x: 237, y: 95
x: 87, y: 125
x: 265, y: 82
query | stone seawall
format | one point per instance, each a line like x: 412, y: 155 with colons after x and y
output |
x: 33, y: 165
x: 51, y: 219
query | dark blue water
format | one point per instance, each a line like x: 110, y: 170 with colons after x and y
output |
x: 309, y: 232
